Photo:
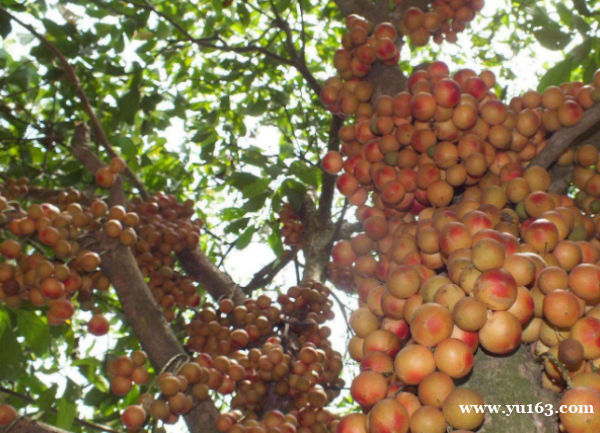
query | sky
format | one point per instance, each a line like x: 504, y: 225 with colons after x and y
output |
x: 241, y: 265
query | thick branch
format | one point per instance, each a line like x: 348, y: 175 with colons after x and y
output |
x: 27, y: 425
x: 140, y: 307
x: 564, y: 137
x: 87, y: 107
x: 197, y: 265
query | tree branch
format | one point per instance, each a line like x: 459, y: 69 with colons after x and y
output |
x: 87, y: 107
x: 145, y: 316
x: 266, y: 275
x: 294, y: 61
x: 28, y: 425
x: 198, y: 266
x: 41, y: 428
x: 564, y: 137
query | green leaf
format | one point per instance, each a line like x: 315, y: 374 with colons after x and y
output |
x: 240, y: 180
x: 13, y: 360
x: 559, y: 73
x: 67, y: 412
x: 256, y: 188
x: 552, y: 38
x: 237, y: 225
x: 275, y: 242
x: 35, y: 331
x: 245, y: 239
x: 294, y: 191
x: 128, y: 106
x: 256, y: 108
x: 306, y: 173
x: 46, y: 399
x: 5, y: 25
x: 128, y: 148
x: 255, y: 204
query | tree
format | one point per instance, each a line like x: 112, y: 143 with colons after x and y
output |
x: 480, y: 229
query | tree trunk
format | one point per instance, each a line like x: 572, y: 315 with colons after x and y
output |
x: 512, y: 380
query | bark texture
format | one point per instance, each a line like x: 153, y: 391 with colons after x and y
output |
x: 27, y: 425
x: 510, y: 380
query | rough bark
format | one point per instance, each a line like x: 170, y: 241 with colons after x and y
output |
x: 510, y: 380
x: 565, y: 137
x: 198, y: 266
x: 27, y: 425
x: 143, y: 313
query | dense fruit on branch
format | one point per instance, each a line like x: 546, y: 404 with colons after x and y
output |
x: 463, y: 245
x: 291, y: 225
x: 266, y: 358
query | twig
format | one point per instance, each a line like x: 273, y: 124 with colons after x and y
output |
x: 72, y: 76
x: 78, y: 421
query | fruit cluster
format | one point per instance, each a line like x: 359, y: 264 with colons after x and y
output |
x: 465, y: 246
x: 445, y: 20
x: 307, y: 420
x: 107, y: 175
x: 49, y: 264
x: 127, y: 370
x: 291, y: 225
x: 254, y: 352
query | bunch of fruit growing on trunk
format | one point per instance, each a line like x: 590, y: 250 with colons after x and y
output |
x: 465, y: 245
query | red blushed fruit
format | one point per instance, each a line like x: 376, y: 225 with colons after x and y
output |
x: 523, y: 307
x: 382, y: 341
x: 454, y: 236
x: 587, y: 332
x: 494, y: 112
x: 475, y: 87
x: 570, y: 113
x: 105, y: 177
x: 366, y: 54
x: 573, y: 420
x: 438, y: 68
x: 423, y: 106
x: 332, y: 162
x: 413, y: 363
x: 353, y: 423
x: 329, y: 95
x: 497, y: 289
x: 416, y: 77
x: 98, y: 325
x: 388, y: 416
x: 342, y: 254
x: 461, y: 76
x: 375, y: 227
x: 62, y: 309
x: 393, y: 192
x: 7, y: 415
x: 471, y: 339
x: 398, y: 327
x: 377, y: 361
x: 501, y: 334
x: 447, y: 93
x: 542, y: 235
x: 584, y: 281
x: 386, y: 30
x: 431, y: 324
x: 476, y: 221
x: 385, y: 49
x: 368, y: 388
x: 347, y: 184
